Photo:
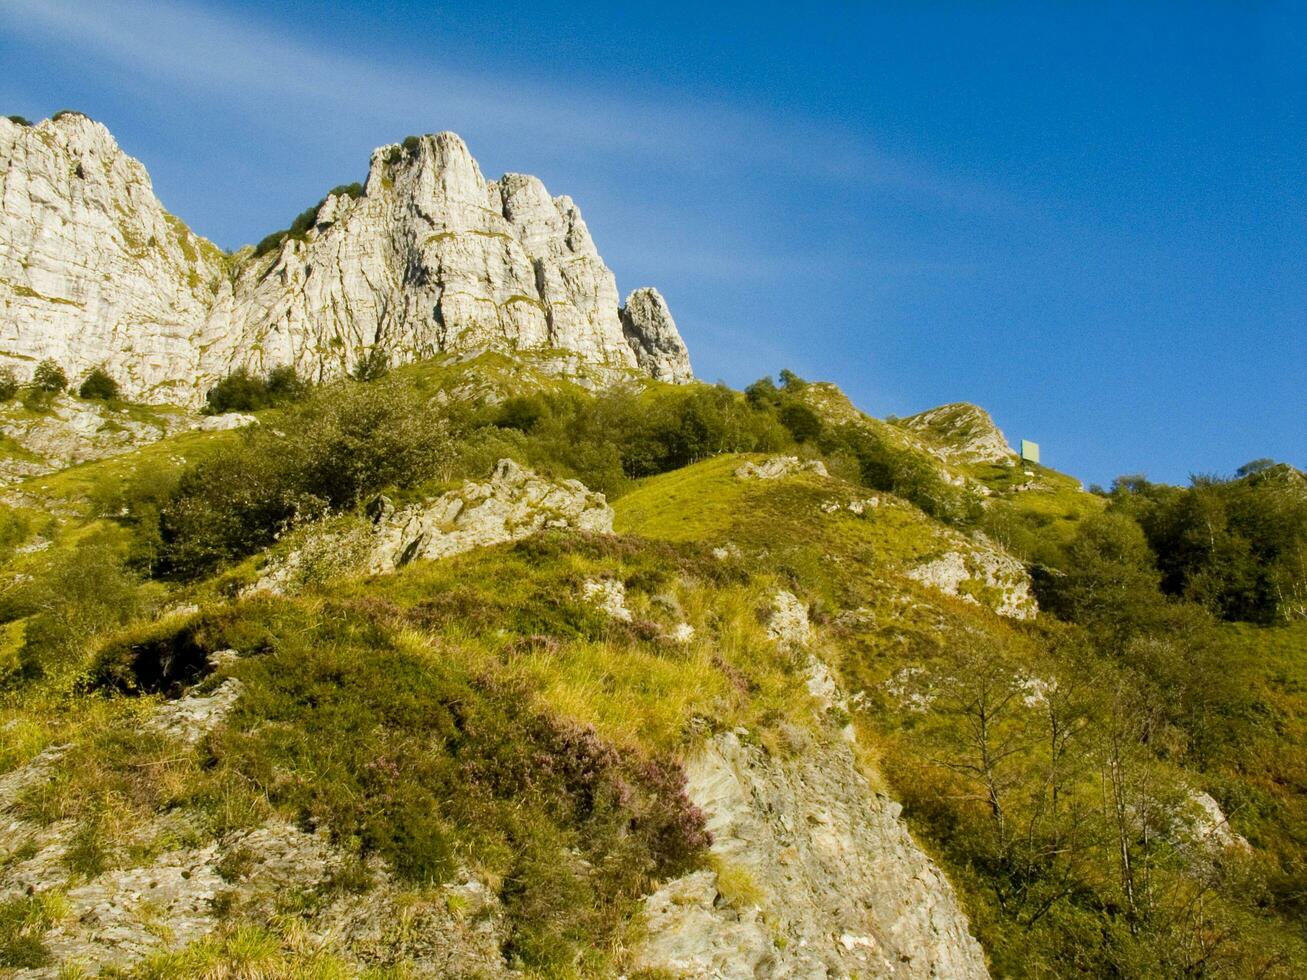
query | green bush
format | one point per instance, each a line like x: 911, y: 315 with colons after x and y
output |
x: 341, y: 443
x: 20, y: 120
x: 285, y: 385
x: 242, y: 391
x: 372, y: 365
x: 269, y: 242
x: 99, y: 385
x: 49, y: 376
x: 8, y: 384
x: 76, y: 596
x: 803, y: 423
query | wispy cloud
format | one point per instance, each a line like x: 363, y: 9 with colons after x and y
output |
x: 202, y: 52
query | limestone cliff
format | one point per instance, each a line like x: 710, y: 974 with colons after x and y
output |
x: 92, y: 269
x: 429, y: 258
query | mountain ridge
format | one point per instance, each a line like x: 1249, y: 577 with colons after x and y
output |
x: 428, y: 258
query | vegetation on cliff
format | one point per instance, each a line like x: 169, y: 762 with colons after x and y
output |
x: 486, y: 717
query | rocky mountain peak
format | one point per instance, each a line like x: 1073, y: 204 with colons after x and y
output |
x: 652, y: 334
x: 961, y: 432
x: 427, y: 257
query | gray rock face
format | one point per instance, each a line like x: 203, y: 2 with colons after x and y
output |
x: 75, y: 430
x: 92, y: 269
x: 514, y: 504
x: 813, y: 873
x: 190, y: 718
x: 961, y: 433
x: 806, y: 852
x: 775, y: 467
x: 431, y: 258
x: 977, y: 572
x: 652, y: 334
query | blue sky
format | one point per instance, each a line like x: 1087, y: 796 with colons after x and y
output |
x: 1091, y: 220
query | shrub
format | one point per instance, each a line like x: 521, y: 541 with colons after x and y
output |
x: 331, y: 449
x: 269, y: 242
x: 8, y: 384
x: 49, y: 376
x: 803, y: 423
x: 239, y: 391
x: 522, y: 412
x: 100, y: 385
x: 284, y: 384
x: 20, y: 120
x: 242, y: 391
x: 372, y: 365
x: 78, y: 595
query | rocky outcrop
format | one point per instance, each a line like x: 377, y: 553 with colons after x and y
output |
x: 125, y: 914
x: 813, y: 873
x: 982, y: 575
x: 514, y: 503
x: 814, y: 876
x: 961, y: 433
x: 74, y: 430
x: 93, y: 270
x: 168, y: 884
x: 776, y: 467
x: 652, y: 334
x: 1203, y: 824
x: 609, y: 596
x: 429, y: 258
x: 190, y: 718
x: 788, y: 622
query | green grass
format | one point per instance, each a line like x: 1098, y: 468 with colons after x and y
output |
x: 23, y: 922
x: 475, y: 710
x: 837, y: 556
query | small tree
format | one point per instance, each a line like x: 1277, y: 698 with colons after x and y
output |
x: 239, y: 391
x: 99, y: 384
x: 804, y: 424
x: 372, y: 365
x: 49, y: 376
x: 8, y: 384
x: 285, y: 385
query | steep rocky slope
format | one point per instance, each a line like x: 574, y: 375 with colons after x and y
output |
x: 961, y: 433
x: 429, y: 257
x: 93, y: 270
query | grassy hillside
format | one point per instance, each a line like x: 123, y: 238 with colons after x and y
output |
x: 490, y: 748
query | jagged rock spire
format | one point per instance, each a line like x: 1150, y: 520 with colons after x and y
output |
x: 431, y: 257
